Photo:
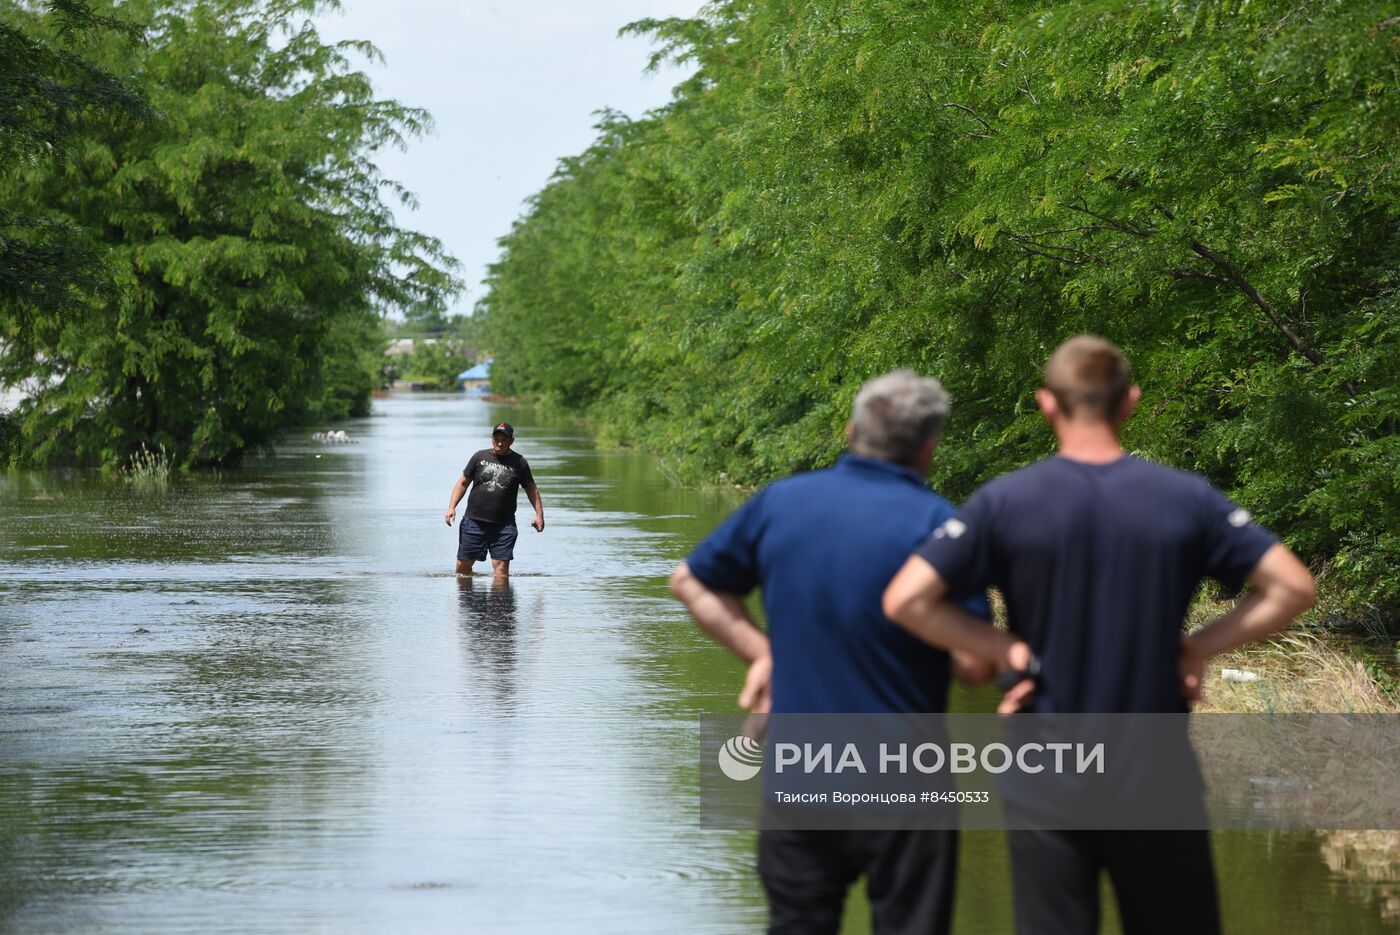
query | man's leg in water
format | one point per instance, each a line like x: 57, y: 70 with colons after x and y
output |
x: 501, y: 541
x: 471, y: 545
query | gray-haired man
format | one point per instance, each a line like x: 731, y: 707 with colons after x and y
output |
x: 822, y: 546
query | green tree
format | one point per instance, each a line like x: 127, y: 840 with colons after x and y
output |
x: 436, y: 364
x: 842, y: 188
x: 48, y: 94
x: 246, y: 235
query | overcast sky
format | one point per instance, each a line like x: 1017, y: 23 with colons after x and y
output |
x: 512, y: 86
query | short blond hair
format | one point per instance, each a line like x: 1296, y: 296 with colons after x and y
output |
x: 1088, y: 376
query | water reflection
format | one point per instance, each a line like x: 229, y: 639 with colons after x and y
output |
x: 490, y: 628
x: 321, y: 730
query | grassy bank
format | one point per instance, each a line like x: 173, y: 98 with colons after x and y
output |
x: 1319, y: 668
x: 1327, y: 662
x: 1314, y: 667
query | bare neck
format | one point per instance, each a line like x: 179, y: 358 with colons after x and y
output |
x: 1089, y: 442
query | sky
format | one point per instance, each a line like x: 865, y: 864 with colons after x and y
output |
x: 512, y: 86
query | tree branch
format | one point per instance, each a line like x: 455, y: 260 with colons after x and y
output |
x: 1116, y: 224
x: 1029, y: 245
x: 968, y: 110
x: 1180, y: 274
x: 1235, y: 278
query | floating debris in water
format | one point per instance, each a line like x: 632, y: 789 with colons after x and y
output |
x: 337, y: 437
x: 140, y: 630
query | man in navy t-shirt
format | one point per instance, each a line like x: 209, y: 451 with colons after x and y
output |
x: 822, y: 546
x: 1098, y: 554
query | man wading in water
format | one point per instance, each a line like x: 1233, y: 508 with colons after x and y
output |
x: 496, y: 475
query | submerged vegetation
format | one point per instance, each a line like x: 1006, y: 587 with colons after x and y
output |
x: 842, y: 188
x: 149, y: 471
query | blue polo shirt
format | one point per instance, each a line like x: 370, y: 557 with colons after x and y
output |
x: 823, y: 546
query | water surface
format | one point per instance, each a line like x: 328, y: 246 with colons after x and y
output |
x: 259, y: 701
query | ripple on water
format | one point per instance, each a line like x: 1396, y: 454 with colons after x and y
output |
x: 326, y: 730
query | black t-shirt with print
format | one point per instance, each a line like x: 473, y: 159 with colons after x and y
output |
x: 496, y: 481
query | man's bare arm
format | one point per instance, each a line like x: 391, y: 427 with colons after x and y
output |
x: 725, y: 618
x: 1280, y: 588
x: 458, y: 490
x: 917, y: 600
x: 970, y: 669
x: 533, y: 492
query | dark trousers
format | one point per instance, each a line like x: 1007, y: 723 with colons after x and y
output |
x: 909, y: 879
x: 1164, y: 881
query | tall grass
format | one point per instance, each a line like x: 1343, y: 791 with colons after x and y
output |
x: 1307, y: 669
x: 149, y: 470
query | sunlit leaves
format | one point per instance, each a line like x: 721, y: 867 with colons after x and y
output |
x: 245, y: 233
x: 847, y: 187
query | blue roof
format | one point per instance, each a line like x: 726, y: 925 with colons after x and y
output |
x: 479, y: 372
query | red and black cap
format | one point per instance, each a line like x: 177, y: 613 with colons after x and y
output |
x: 503, y: 428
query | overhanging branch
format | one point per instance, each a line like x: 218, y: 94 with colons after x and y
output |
x: 1233, y: 276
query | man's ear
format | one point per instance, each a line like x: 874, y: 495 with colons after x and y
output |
x: 850, y: 433
x: 923, y: 460
x: 1049, y: 405
x: 1129, y: 404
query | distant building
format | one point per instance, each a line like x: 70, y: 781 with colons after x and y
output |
x: 477, y: 380
x: 401, y: 346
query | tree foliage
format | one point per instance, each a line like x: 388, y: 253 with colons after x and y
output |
x: 48, y: 95
x: 435, y: 363
x: 842, y: 188
x: 244, y: 232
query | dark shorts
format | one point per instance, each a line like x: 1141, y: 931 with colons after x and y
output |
x: 474, y: 539
x: 1163, y: 881
x: 909, y: 879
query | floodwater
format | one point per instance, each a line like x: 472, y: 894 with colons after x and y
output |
x: 259, y: 701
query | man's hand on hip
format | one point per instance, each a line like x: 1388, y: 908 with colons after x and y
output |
x: 1020, y: 661
x: 757, y: 693
x: 1193, y: 668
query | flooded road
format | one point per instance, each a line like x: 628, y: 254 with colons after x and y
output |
x: 259, y: 701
